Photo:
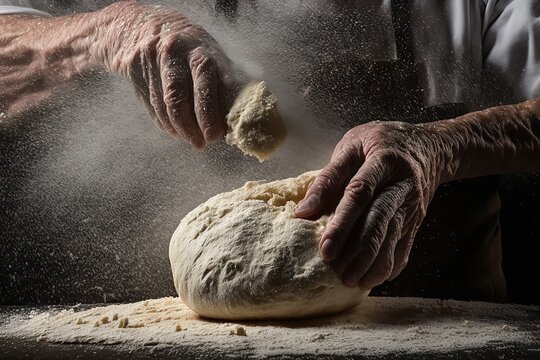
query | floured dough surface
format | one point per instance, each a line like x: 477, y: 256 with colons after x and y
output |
x: 254, y: 122
x: 244, y: 255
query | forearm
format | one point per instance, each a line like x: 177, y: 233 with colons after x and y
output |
x: 39, y: 55
x: 504, y: 139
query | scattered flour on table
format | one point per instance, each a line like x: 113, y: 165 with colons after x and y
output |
x: 380, y: 326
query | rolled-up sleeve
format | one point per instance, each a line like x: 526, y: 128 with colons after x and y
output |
x: 27, y: 7
x: 511, y: 45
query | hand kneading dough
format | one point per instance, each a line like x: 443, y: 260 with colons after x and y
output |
x: 243, y: 255
x: 254, y: 122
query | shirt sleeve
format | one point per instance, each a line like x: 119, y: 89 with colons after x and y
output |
x: 511, y: 46
x: 27, y: 7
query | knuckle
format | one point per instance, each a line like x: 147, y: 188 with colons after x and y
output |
x: 382, y: 210
x: 371, y: 249
x: 209, y: 63
x: 359, y: 190
x: 176, y: 97
x: 151, y: 26
x: 149, y: 45
x: 376, y: 234
x: 170, y: 43
x: 199, y: 53
x: 351, y: 134
x: 391, y: 157
x: 327, y: 180
x: 201, y: 60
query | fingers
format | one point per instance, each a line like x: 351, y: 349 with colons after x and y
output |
x: 210, y: 119
x: 191, y: 96
x: 384, y: 263
x: 359, y: 255
x: 152, y: 76
x: 156, y: 85
x: 182, y: 96
x: 178, y: 98
x: 357, y: 197
x: 403, y: 249
x: 328, y: 186
x: 143, y: 93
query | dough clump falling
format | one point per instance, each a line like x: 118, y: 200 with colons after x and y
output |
x: 254, y: 122
x: 244, y: 255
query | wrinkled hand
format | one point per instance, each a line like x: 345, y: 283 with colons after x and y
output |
x: 380, y: 181
x: 178, y: 69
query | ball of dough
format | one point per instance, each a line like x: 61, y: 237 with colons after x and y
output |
x: 254, y: 122
x: 244, y: 255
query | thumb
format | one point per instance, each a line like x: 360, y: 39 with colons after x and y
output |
x: 327, y: 188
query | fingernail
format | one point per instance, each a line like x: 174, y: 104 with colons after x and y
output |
x: 212, y: 134
x: 307, y: 206
x: 329, y: 249
x: 197, y: 143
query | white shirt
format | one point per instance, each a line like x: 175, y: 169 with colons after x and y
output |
x: 478, y: 48
x: 479, y: 52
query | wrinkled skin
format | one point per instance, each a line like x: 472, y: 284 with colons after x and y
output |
x: 383, y: 177
x: 178, y: 69
x: 380, y: 180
